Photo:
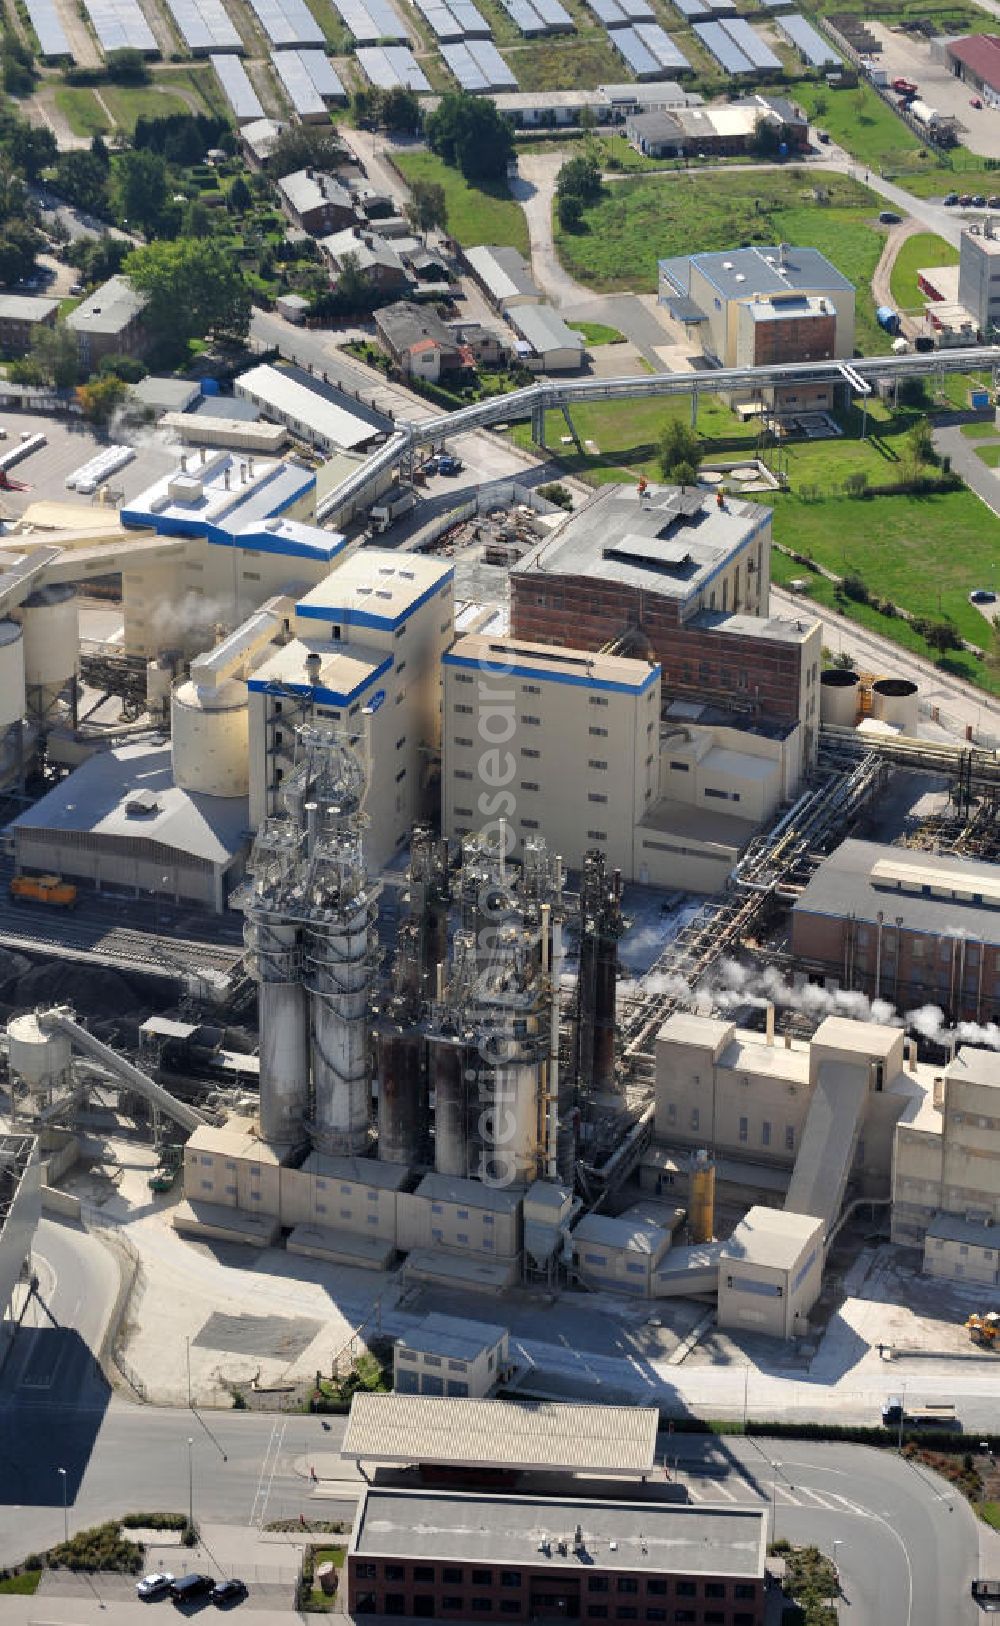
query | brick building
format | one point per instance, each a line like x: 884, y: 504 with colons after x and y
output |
x: 21, y: 317
x: 671, y: 576
x: 448, y: 1555
x: 910, y: 927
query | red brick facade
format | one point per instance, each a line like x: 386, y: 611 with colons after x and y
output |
x: 704, y: 662
x: 795, y: 338
x: 436, y: 1590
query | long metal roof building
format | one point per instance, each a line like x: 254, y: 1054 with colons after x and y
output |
x: 540, y: 1436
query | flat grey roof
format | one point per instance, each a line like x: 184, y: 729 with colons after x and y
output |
x: 504, y: 271
x: 955, y: 1228
x: 636, y: 1235
x: 93, y: 801
x: 447, y: 1188
x: 539, y: 1435
x: 657, y: 1537
x: 363, y: 1171
x: 975, y: 1066
x: 739, y: 273
x: 844, y: 885
x: 109, y: 309
x: 771, y: 1236
x: 26, y: 308
x: 449, y: 1335
x: 669, y: 541
x: 544, y: 329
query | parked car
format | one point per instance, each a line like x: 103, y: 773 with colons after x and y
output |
x: 982, y: 595
x: 231, y: 1591
x: 432, y: 465
x: 187, y: 1588
x: 979, y: 202
x: 153, y: 1586
x: 993, y: 202
x: 824, y: 136
x: 950, y: 199
x: 888, y: 217
x: 450, y: 465
x: 975, y: 101
x: 76, y: 287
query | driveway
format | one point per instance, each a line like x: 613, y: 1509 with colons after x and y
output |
x: 534, y: 189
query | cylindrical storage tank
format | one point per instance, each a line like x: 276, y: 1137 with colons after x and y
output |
x: 38, y: 1058
x: 447, y: 1070
x: 701, y: 1198
x: 508, y: 1124
x: 283, y: 1023
x: 339, y: 980
x: 894, y: 700
x: 12, y: 702
x: 403, y: 1110
x: 159, y: 680
x: 210, y: 738
x: 50, y: 624
x: 839, y: 694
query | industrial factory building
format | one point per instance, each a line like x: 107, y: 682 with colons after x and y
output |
x: 904, y: 925
x: 771, y: 1272
x: 447, y: 1355
x: 947, y: 1161
x: 538, y: 1557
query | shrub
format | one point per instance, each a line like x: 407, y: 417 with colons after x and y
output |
x: 853, y: 587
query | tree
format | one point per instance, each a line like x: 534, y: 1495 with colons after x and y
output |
x: 470, y: 134
x: 99, y: 397
x: 570, y: 209
x: 400, y: 110
x: 239, y: 197
x: 354, y: 287
x: 19, y: 243
x: 180, y: 138
x: 195, y: 289
x: 17, y: 65
x: 305, y: 146
x: 767, y: 138
x: 128, y: 67
x: 56, y: 352
x: 99, y: 148
x: 31, y: 148
x: 679, y: 452
x: 843, y: 662
x: 98, y: 258
x: 82, y: 180
x: 920, y: 442
x: 428, y: 206
x: 139, y: 189
x: 579, y: 178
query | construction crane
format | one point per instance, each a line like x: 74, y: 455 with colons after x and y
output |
x: 984, y: 1329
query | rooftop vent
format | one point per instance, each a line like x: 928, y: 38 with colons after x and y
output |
x: 141, y: 804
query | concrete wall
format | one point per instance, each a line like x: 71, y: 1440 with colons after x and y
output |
x: 423, y: 1223
x: 955, y: 1261
x: 618, y: 1270
x: 343, y: 1205
x: 422, y: 1372
x: 762, y: 1298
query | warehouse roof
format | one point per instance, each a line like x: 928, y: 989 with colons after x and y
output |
x: 504, y: 273
x: 956, y: 1228
x: 346, y: 672
x: 975, y: 1066
x: 539, y: 1435
x: 237, y: 1137
x: 94, y: 800
x: 672, y: 541
x: 655, y: 1537
x: 743, y: 273
x: 362, y: 1171
x: 937, y: 896
x: 638, y: 1234
x: 451, y: 1335
x: 291, y: 395
x: 109, y: 309
x: 544, y: 329
x: 449, y: 1188
x: 216, y: 493
x: 981, y: 53
x: 771, y: 1236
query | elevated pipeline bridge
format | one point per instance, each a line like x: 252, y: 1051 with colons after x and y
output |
x: 859, y: 375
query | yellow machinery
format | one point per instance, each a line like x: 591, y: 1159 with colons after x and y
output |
x: 984, y: 1329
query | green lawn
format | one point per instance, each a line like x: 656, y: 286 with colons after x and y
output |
x: 627, y: 440
x: 22, y: 1585
x: 636, y: 222
x: 989, y: 1512
x: 128, y: 103
x: 979, y: 431
x: 599, y: 333
x: 990, y: 455
x: 861, y: 123
x: 81, y: 110
x: 570, y: 62
x: 924, y: 248
x: 474, y: 216
x: 198, y: 78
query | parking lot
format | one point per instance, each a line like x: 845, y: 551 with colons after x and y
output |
x: 906, y: 57
x: 69, y: 443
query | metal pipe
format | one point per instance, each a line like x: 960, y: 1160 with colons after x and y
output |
x: 552, y: 1160
x: 878, y: 956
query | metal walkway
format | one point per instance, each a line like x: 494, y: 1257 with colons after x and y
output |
x: 534, y: 401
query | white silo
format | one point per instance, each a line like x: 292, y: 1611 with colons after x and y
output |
x: 50, y: 626
x: 894, y: 701
x: 210, y: 738
x: 39, y: 1058
x: 12, y: 700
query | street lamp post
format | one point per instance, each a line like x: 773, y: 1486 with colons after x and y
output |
x: 62, y: 1475
x: 774, y: 1499
x: 188, y: 1344
x: 190, y: 1485
x: 838, y: 1543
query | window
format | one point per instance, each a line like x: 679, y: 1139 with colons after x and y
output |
x: 530, y: 688
x: 423, y: 1605
x: 597, y: 1611
x: 715, y: 1589
x: 789, y: 1138
x: 529, y: 784
x: 628, y: 1612
x: 687, y: 1589
x: 695, y: 1118
x: 482, y: 1606
x: 714, y: 1617
x: 401, y: 775
x: 451, y: 1603
x: 395, y: 1572
x: 482, y: 1577
x: 595, y: 762
x: 595, y: 796
x: 466, y: 711
x: 463, y: 677
x: 526, y: 751
x: 454, y: 1575
x: 671, y: 1112
x: 460, y: 739
x: 600, y: 733
x: 597, y: 1583
x: 463, y: 773
x: 597, y: 835
x: 510, y: 1606
x: 510, y: 1577
x: 365, y: 1572
x: 655, y: 1614
x: 533, y: 722
x: 528, y: 824
x: 744, y: 1130
x: 597, y: 700
x: 744, y: 1589
x: 680, y: 767
x: 765, y: 1134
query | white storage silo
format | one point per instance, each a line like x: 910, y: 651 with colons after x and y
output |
x: 12, y: 701
x: 210, y: 738
x: 839, y: 697
x: 50, y: 625
x: 40, y: 1059
x: 894, y: 700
